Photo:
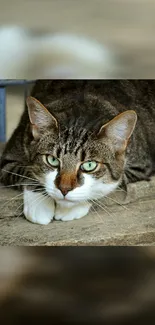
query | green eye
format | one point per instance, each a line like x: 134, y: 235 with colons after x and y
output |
x: 54, y: 162
x: 89, y: 166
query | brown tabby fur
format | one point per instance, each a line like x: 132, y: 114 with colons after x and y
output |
x: 81, y: 107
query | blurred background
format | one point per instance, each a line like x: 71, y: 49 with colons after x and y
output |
x: 77, y: 39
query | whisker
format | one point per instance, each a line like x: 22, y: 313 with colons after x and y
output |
x: 38, y: 198
x: 124, y: 207
x: 10, y: 200
x: 102, y: 207
x: 16, y: 185
x: 100, y: 217
x: 6, y: 171
x: 121, y: 189
x: 15, y: 197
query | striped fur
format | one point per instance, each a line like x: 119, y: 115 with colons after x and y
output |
x: 81, y: 108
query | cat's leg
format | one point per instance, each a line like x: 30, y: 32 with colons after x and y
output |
x: 38, y: 208
x: 71, y: 212
x: 139, y: 172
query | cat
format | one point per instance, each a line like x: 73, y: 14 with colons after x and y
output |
x: 78, y: 141
x: 29, y: 55
x: 77, y: 286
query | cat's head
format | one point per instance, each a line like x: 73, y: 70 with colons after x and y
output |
x: 76, y: 163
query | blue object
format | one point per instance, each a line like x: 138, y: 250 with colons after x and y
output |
x: 2, y: 114
x: 3, y: 84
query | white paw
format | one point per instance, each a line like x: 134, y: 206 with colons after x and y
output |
x: 71, y: 213
x: 38, y: 208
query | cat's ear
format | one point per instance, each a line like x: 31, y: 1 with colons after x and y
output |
x: 40, y: 117
x: 120, y: 129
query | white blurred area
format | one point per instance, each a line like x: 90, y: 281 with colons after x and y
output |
x: 77, y: 39
x: 59, y: 55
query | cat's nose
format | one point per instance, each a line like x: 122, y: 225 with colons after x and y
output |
x: 66, y: 182
x: 64, y: 190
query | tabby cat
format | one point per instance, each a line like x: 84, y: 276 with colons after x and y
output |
x: 75, y: 143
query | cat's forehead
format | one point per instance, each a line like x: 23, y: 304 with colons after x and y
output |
x: 75, y: 144
x: 70, y: 161
x: 72, y: 144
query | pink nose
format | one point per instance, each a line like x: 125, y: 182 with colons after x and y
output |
x: 64, y: 189
x: 66, y: 182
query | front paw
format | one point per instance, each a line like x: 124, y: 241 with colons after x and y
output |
x: 37, y: 208
x: 72, y: 213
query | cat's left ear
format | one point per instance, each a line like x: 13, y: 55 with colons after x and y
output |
x: 119, y: 129
x: 40, y: 117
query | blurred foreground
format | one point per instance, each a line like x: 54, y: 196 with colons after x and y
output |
x: 82, y: 286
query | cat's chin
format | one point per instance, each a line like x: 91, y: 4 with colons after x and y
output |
x: 66, y: 202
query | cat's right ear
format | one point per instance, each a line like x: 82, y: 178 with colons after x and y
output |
x: 120, y: 129
x: 40, y: 117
